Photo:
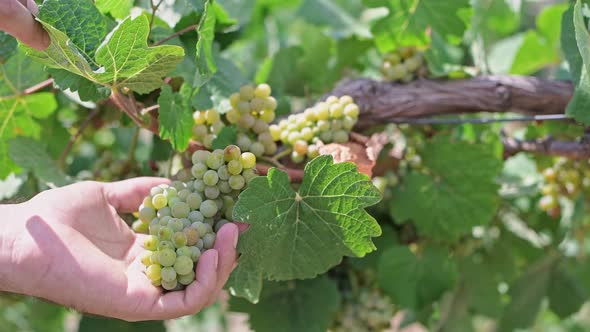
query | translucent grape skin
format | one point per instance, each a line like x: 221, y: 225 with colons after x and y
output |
x: 248, y: 160
x: 186, y: 279
x: 231, y: 152
x: 183, y: 265
x: 208, y: 240
x: 168, y: 273
x: 234, y: 167
x: 179, y: 239
x: 210, y: 177
x: 169, y: 285
x: 237, y: 182
x: 151, y: 243
x: 166, y: 257
x: 208, y: 208
x: 154, y: 272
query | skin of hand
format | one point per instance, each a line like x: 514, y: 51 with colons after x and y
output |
x: 69, y: 246
x: 16, y: 18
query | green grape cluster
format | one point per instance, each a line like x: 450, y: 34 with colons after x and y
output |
x: 178, y: 234
x: 370, y: 311
x: 388, y: 180
x: 403, y: 64
x: 107, y: 168
x: 328, y: 121
x: 253, y: 109
x: 207, y: 125
x: 182, y: 218
x: 565, y: 179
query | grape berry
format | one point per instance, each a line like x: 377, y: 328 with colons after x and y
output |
x: 404, y: 64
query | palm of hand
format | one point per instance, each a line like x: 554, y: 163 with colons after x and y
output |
x: 91, y: 257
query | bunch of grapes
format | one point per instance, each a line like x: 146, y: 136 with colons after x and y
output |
x: 183, y: 218
x: 253, y: 109
x: 369, y: 311
x: 207, y: 125
x: 404, y: 64
x: 389, y: 179
x: 567, y: 179
x: 328, y: 121
x: 106, y: 168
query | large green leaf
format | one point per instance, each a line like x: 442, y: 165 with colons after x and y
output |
x: 526, y: 294
x: 95, y: 324
x: 8, y: 46
x: 343, y: 17
x: 175, y: 118
x: 566, y: 293
x: 494, y: 19
x: 302, y: 234
x: 117, y: 8
x: 78, y: 19
x: 415, y: 282
x: 204, y: 57
x: 408, y: 21
x: 87, y: 90
x: 123, y: 59
x: 292, y: 306
x: 578, y: 56
x: 459, y: 193
x: 19, y: 112
x: 30, y: 154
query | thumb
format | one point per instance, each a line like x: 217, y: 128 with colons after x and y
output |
x: 125, y: 196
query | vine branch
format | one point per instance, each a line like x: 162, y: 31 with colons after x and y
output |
x: 176, y: 34
x: 386, y: 102
x: 38, y: 87
x: 62, y: 158
x: 577, y: 150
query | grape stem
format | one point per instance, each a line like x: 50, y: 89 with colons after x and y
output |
x: 154, y: 7
x: 178, y: 33
x: 281, y: 154
x: 272, y: 161
x: 62, y: 158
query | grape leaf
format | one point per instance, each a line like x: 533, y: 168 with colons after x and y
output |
x: 494, y: 19
x: 78, y: 19
x: 226, y: 136
x: 342, y: 19
x: 443, y: 58
x: 527, y: 293
x: 246, y: 281
x: 579, y: 61
x: 205, y: 62
x: 408, y: 21
x: 566, y: 293
x: 459, y: 193
x: 123, y: 58
x: 87, y: 91
x: 18, y: 112
x: 97, y: 324
x: 8, y: 46
x: 415, y: 282
x: 175, y: 118
x: 129, y: 62
x: 30, y: 154
x: 117, y: 8
x: 302, y: 305
x: 302, y: 234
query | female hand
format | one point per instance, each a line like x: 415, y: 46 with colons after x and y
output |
x: 69, y: 245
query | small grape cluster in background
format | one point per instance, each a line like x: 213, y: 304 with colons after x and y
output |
x: 207, y: 125
x: 403, y: 65
x: 328, y: 121
x: 182, y: 218
x: 566, y: 178
x: 253, y: 109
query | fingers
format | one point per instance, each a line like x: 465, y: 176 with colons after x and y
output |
x: 196, y: 296
x: 225, y: 244
x: 125, y: 196
x: 242, y: 226
x: 18, y: 21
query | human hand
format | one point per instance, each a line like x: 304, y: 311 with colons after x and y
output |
x: 73, y: 248
x: 16, y: 18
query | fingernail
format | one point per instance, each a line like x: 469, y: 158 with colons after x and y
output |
x: 236, y: 235
x: 215, y: 258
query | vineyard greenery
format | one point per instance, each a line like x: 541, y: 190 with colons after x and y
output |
x: 407, y: 219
